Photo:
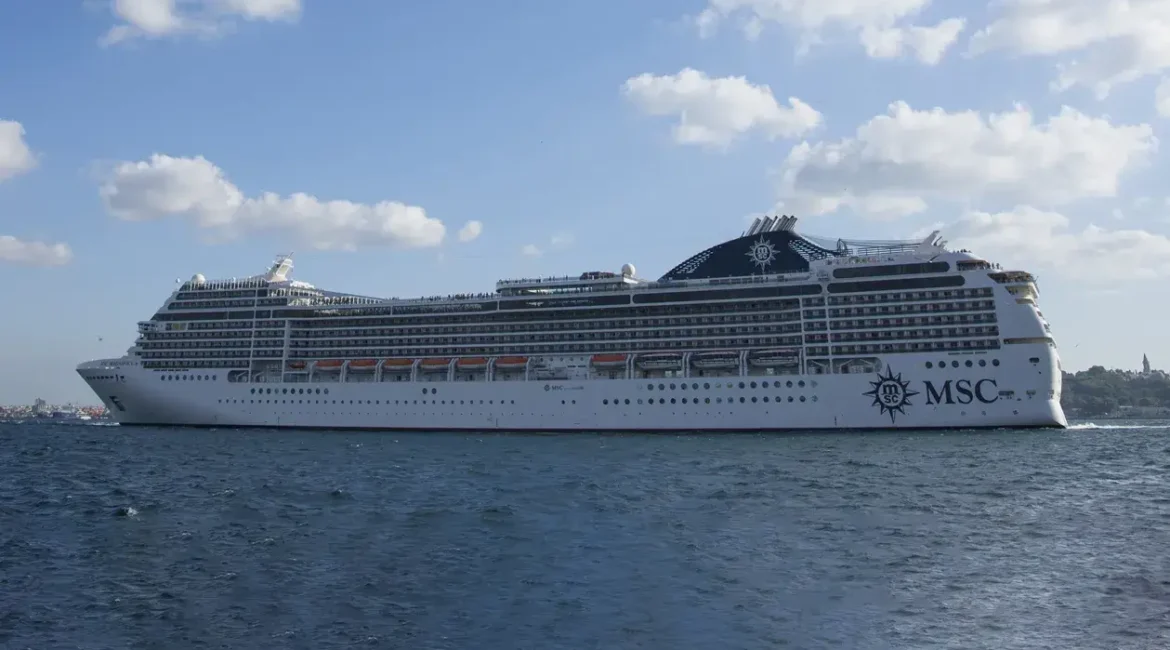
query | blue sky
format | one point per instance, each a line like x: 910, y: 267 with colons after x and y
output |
x: 519, y: 116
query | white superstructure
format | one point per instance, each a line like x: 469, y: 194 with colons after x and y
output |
x: 769, y: 331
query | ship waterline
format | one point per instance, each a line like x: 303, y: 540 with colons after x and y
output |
x: 770, y: 331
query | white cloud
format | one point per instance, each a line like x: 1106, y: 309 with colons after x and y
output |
x: 531, y: 250
x: 1027, y: 237
x: 895, y: 162
x: 159, y: 18
x: 1162, y: 97
x: 713, y: 112
x: 15, y: 156
x: 561, y: 240
x: 928, y: 44
x: 470, y: 231
x: 881, y: 26
x: 1104, y: 43
x: 33, y: 253
x: 196, y: 190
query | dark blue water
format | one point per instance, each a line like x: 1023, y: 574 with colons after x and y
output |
x: 139, y: 538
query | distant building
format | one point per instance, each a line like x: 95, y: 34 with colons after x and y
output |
x: 1145, y: 365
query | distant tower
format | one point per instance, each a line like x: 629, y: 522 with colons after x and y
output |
x: 1145, y: 364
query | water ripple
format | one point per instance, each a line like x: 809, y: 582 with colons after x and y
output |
x: 116, y: 538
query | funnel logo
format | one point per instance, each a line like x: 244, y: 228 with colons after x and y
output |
x: 890, y: 394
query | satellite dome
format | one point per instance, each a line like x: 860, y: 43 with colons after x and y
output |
x: 628, y: 270
x: 198, y: 278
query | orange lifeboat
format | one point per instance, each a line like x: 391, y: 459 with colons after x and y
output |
x: 434, y: 364
x: 609, y: 360
x: 328, y: 364
x: 397, y: 363
x: 471, y: 363
x: 296, y: 365
x: 363, y: 364
x: 511, y: 363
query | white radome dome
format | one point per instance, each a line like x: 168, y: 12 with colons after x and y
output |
x: 198, y: 278
x: 628, y: 270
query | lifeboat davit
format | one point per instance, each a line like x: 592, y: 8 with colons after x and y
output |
x: 609, y: 360
x: 715, y: 360
x: 431, y: 365
x: 771, y: 358
x: 397, y: 365
x: 471, y: 363
x: 659, y: 361
x: 511, y: 363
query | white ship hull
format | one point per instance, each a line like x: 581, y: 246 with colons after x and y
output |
x: 1021, y: 389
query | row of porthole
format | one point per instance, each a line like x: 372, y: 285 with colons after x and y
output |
x: 742, y: 385
x: 707, y: 400
x: 968, y: 363
x: 359, y: 402
x: 187, y: 378
x: 290, y: 391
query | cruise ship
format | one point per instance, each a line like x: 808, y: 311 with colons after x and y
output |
x: 770, y: 331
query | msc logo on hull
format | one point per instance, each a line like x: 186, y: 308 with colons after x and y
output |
x: 891, y: 394
x: 962, y: 391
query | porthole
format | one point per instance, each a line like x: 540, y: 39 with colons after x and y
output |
x: 969, y: 364
x: 789, y: 398
x: 763, y: 384
x: 605, y: 401
x: 627, y: 401
x: 672, y: 387
x: 706, y: 400
x: 753, y: 384
x: 800, y: 383
x: 694, y: 386
x: 650, y: 387
x: 672, y: 400
x: 790, y: 383
x: 765, y: 399
x: 954, y: 364
x: 995, y: 362
x: 662, y: 400
x: 802, y: 398
x: 706, y: 386
x: 929, y: 365
x: 639, y: 400
x: 983, y: 363
x: 684, y: 400
x: 682, y: 386
x: 661, y: 386
x: 742, y: 385
x: 753, y: 400
x: 718, y: 400
x: 742, y: 400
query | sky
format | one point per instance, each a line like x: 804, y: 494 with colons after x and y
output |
x: 406, y: 149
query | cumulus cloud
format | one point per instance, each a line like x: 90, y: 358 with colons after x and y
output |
x: 33, y: 253
x: 883, y: 27
x: 470, y: 231
x: 198, y: 191
x: 531, y: 250
x: 895, y: 162
x: 15, y: 156
x: 1101, y: 43
x: 161, y: 18
x: 1027, y: 237
x: 1162, y: 97
x: 714, y: 112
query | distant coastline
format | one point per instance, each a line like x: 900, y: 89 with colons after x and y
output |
x: 1116, y: 394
